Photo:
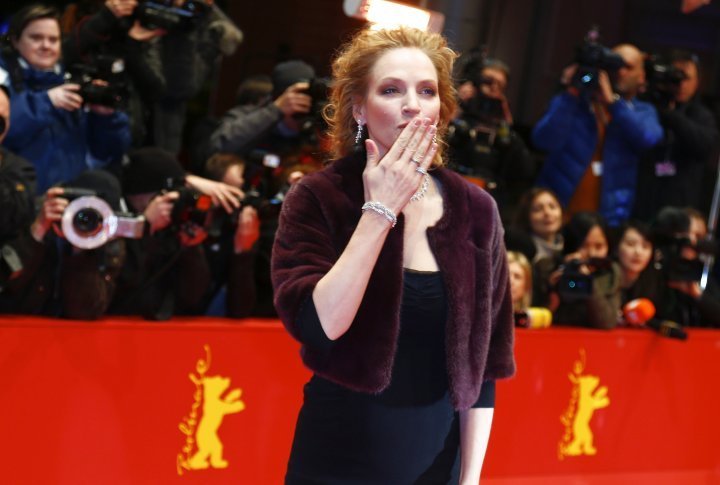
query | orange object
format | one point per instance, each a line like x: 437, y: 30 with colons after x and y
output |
x: 638, y: 311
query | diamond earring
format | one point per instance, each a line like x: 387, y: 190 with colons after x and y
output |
x: 358, y: 135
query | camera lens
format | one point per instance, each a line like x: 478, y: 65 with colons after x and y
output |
x: 87, y: 221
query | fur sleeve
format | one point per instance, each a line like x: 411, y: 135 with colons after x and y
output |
x: 500, y: 360
x: 302, y: 254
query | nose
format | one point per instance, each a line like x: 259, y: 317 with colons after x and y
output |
x: 411, y: 106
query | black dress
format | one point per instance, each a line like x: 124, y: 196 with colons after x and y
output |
x: 409, y: 433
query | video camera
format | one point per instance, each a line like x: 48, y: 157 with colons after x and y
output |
x: 592, y: 57
x: 576, y: 285
x: 163, y: 14
x: 101, y: 82
x: 663, y: 81
x: 89, y: 222
x: 675, y: 266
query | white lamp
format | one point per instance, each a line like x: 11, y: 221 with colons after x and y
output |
x: 383, y: 14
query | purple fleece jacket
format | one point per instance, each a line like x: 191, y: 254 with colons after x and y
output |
x: 318, y: 218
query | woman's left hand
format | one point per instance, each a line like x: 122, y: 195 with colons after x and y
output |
x: 227, y: 196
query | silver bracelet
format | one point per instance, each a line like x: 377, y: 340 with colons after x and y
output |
x: 380, y: 208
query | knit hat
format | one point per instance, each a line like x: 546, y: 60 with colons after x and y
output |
x: 151, y: 169
x: 104, y: 184
x: 288, y: 73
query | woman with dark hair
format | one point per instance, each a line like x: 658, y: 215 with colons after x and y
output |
x: 50, y: 125
x: 392, y: 272
x: 634, y: 253
x: 539, y: 215
x: 586, y: 286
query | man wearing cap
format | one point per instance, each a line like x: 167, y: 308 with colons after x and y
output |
x: 245, y: 127
x: 594, y: 140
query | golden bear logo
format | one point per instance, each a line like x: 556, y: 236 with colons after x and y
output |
x: 586, y: 397
x: 203, y: 447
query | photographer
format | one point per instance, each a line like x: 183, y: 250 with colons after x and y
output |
x: 232, y: 250
x: 273, y: 125
x: 673, y: 174
x: 483, y: 143
x: 113, y: 37
x: 166, y: 272
x: 586, y: 284
x: 594, y: 134
x: 58, y: 279
x: 678, y: 254
x: 48, y: 125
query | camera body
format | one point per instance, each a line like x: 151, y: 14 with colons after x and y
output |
x: 592, y: 57
x: 163, y: 14
x: 318, y: 92
x: 89, y: 222
x: 674, y: 265
x: 663, y: 81
x: 111, y: 90
x: 574, y: 284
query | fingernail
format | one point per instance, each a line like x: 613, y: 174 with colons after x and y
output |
x: 432, y: 129
x: 417, y: 122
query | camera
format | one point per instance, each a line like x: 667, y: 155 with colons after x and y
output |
x: 318, y: 92
x: 163, y: 14
x: 101, y: 82
x: 663, y: 81
x: 88, y: 221
x: 675, y: 266
x: 592, y: 57
x: 576, y: 285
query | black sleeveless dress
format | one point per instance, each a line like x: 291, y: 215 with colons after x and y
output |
x: 409, y: 433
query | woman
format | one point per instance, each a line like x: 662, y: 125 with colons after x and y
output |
x: 539, y: 215
x: 394, y: 281
x: 634, y: 253
x: 520, y: 273
x: 48, y: 124
x: 587, y: 284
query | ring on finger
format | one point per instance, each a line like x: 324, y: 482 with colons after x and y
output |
x: 414, y: 160
x: 421, y: 170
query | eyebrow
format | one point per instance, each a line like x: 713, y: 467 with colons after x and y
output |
x: 398, y: 80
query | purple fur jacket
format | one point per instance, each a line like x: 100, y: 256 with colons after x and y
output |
x: 318, y: 218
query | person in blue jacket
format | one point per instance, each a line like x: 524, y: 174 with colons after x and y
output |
x: 50, y: 124
x: 594, y: 139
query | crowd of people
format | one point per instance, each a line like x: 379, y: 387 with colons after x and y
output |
x: 602, y: 205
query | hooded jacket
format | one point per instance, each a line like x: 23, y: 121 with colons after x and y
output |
x: 318, y: 218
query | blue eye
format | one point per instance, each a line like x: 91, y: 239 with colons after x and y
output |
x: 390, y: 90
x: 428, y: 91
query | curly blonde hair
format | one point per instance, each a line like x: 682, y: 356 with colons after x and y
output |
x: 354, y: 63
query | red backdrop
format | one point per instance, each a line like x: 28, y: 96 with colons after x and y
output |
x: 88, y: 403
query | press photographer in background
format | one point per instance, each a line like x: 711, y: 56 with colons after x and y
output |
x: 586, y: 284
x: 166, y: 272
x: 483, y: 144
x: 110, y: 40
x: 596, y: 130
x: 231, y: 247
x: 55, y: 277
x: 678, y: 257
x: 674, y: 172
x: 272, y: 124
x: 50, y: 124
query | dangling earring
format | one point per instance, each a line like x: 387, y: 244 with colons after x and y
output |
x: 358, y: 135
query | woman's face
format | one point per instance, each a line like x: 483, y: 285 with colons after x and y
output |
x: 634, y: 251
x: 518, y: 286
x: 595, y: 244
x: 545, y: 216
x: 39, y: 43
x: 403, y: 84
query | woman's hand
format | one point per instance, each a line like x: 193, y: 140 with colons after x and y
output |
x: 393, y: 179
x: 248, y: 230
x: 66, y: 97
x: 222, y: 194
x: 51, y: 212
